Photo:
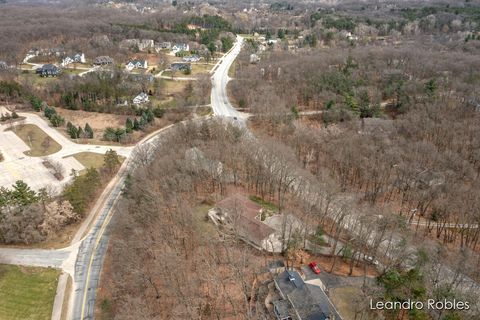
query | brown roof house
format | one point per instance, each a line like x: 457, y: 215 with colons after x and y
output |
x: 242, y: 216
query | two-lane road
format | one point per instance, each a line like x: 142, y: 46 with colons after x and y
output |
x: 219, y: 97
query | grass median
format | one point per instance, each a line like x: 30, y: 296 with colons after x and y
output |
x: 40, y: 143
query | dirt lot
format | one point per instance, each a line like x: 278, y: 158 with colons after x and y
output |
x: 98, y: 121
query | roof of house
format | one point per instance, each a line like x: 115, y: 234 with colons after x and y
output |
x: 242, y: 212
x: 48, y: 67
x: 136, y: 61
x: 309, y: 301
x: 103, y: 59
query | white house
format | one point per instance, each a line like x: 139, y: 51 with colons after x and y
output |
x: 141, y: 98
x: 192, y: 58
x: 163, y: 46
x: 180, y: 47
x: 136, y: 64
x: 78, y: 58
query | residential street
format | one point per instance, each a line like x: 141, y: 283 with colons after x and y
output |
x: 219, y: 97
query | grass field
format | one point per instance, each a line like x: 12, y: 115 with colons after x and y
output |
x: 39, y: 142
x: 27, y: 293
x: 199, y: 68
x: 173, y: 87
x: 92, y: 159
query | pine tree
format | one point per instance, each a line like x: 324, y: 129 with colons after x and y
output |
x: 88, y: 131
x: 136, y: 125
x: 129, y: 125
x: 72, y: 131
x: 80, y: 133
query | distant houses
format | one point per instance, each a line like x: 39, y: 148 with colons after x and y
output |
x: 3, y: 65
x: 136, y: 64
x: 181, y: 66
x: 140, y: 44
x: 178, y: 47
x: 191, y: 58
x: 141, y: 98
x: 102, y: 61
x: 76, y: 58
x: 34, y: 52
x: 163, y: 46
x: 48, y: 70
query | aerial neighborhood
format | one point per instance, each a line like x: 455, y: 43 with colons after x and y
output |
x: 270, y: 160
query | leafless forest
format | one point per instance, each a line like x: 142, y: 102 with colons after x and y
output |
x: 365, y: 119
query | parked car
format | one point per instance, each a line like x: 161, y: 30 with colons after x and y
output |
x: 313, y: 265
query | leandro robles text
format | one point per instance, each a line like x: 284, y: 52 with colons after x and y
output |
x: 430, y: 304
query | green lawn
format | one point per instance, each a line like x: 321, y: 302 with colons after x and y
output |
x: 27, y: 293
x: 265, y: 204
x: 39, y: 142
x: 92, y: 159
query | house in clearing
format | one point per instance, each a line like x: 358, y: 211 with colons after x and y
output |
x: 242, y: 216
x: 180, y: 47
x: 103, y: 61
x: 181, y: 66
x: 136, y: 64
x: 48, y: 70
x: 141, y: 98
x: 163, y: 46
x: 76, y: 58
x: 301, y: 300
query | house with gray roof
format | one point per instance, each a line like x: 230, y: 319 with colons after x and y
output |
x: 103, y: 60
x: 301, y: 300
x: 48, y: 70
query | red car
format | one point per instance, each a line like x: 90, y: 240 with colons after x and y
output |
x: 313, y: 265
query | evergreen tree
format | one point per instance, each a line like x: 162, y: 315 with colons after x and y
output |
x: 88, y: 131
x: 136, y: 125
x: 22, y: 194
x: 72, y: 131
x: 129, y: 125
x: 111, y: 161
x: 80, y: 133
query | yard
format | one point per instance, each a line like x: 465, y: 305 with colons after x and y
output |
x: 348, y: 301
x: 39, y: 142
x: 199, y: 68
x: 27, y: 293
x: 174, y: 87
